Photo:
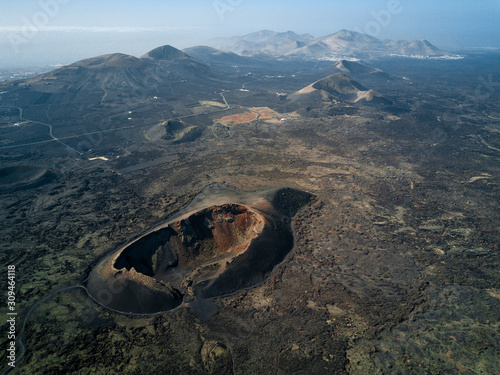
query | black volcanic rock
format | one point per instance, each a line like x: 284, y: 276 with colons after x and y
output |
x: 177, y: 62
x: 344, y: 88
x: 421, y: 47
x: 289, y: 201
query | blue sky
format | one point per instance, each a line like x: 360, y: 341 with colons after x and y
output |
x: 51, y: 31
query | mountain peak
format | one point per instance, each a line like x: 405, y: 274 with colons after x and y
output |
x: 166, y: 52
x: 353, y: 36
x: 109, y: 61
x: 344, y: 32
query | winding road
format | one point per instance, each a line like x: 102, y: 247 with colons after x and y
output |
x: 60, y: 139
x: 51, y: 133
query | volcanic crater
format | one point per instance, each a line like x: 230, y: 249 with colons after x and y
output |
x: 23, y: 176
x: 209, y: 251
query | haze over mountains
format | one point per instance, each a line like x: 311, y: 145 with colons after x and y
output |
x: 165, y: 74
x: 342, y: 44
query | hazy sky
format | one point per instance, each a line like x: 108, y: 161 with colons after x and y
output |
x: 50, y: 31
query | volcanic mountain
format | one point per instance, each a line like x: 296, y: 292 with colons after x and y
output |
x: 168, y: 57
x: 262, y: 42
x: 223, y: 59
x: 111, y: 87
x: 341, y: 87
x: 344, y: 43
x: 119, y: 72
x: 362, y: 72
x: 114, y: 80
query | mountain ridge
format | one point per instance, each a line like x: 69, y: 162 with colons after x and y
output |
x: 343, y: 43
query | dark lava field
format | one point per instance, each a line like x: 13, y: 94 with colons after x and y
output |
x: 167, y: 215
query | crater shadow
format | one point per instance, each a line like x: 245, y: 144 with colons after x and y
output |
x: 22, y: 177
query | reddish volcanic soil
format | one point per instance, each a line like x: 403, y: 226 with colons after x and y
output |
x: 241, y: 118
